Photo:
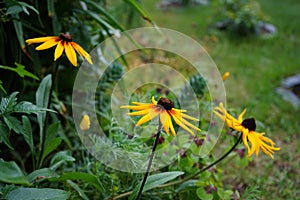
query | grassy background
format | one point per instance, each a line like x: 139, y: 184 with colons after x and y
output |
x: 257, y: 67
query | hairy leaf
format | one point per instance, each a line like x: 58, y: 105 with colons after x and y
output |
x: 36, y: 193
x: 11, y: 173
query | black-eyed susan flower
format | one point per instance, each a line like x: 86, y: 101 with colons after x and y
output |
x: 247, y: 128
x: 166, y: 111
x: 65, y: 43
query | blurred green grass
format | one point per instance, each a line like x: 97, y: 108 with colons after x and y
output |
x: 257, y: 66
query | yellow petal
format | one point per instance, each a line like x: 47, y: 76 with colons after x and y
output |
x: 41, y: 39
x: 182, y: 125
x: 164, y: 121
x: 85, y: 123
x: 82, y: 52
x: 189, y: 117
x: 141, y: 107
x: 59, y: 50
x: 179, y: 116
x: 141, y: 112
x: 240, y: 118
x: 153, y: 101
x: 147, y: 117
x: 171, y: 126
x: 70, y: 52
x: 48, y: 44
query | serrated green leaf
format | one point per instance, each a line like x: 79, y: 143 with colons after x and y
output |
x: 60, y: 158
x: 20, y: 70
x: 50, y: 147
x: 11, y: 173
x: 28, y: 107
x: 38, y: 194
x: 79, y: 176
x: 14, y: 124
x: 154, y: 181
x: 7, y: 103
x: 4, y: 131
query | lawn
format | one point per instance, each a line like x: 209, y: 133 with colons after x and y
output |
x: 257, y: 67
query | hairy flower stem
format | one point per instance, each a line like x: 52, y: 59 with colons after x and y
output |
x: 150, y: 162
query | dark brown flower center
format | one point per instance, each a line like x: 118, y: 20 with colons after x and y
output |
x: 249, y: 124
x: 166, y: 103
x: 65, y: 37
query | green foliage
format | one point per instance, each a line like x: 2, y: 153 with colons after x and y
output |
x: 252, y: 193
x: 20, y: 70
x: 37, y: 193
x: 241, y: 16
x: 154, y: 181
x: 11, y: 173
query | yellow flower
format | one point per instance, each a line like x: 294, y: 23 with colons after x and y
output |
x: 225, y: 76
x: 85, y: 123
x: 63, y: 42
x: 166, y: 111
x: 247, y: 127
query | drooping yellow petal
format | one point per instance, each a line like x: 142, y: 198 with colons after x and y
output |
x: 225, y: 76
x: 48, y: 44
x: 164, y: 121
x: 182, y: 125
x: 71, y: 54
x: 82, y: 52
x: 41, y: 39
x: 152, y: 114
x: 189, y: 117
x: 179, y: 116
x: 59, y: 50
x: 85, y: 123
x: 171, y: 126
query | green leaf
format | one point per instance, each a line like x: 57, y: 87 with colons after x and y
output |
x: 79, y: 176
x: 27, y: 133
x: 11, y: 173
x: 7, y: 103
x: 42, y: 99
x: 20, y: 70
x: 4, y: 131
x: 77, y: 188
x: 46, y: 172
x: 27, y: 107
x: 14, y: 124
x: 201, y: 193
x: 15, y: 7
x: 140, y: 9
x: 50, y: 147
x: 38, y: 194
x: 60, y: 158
x: 51, y: 133
x: 154, y: 181
x: 2, y: 88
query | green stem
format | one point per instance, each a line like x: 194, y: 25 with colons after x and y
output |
x: 150, y: 163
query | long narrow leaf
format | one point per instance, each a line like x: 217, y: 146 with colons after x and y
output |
x: 140, y: 9
x: 154, y: 181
